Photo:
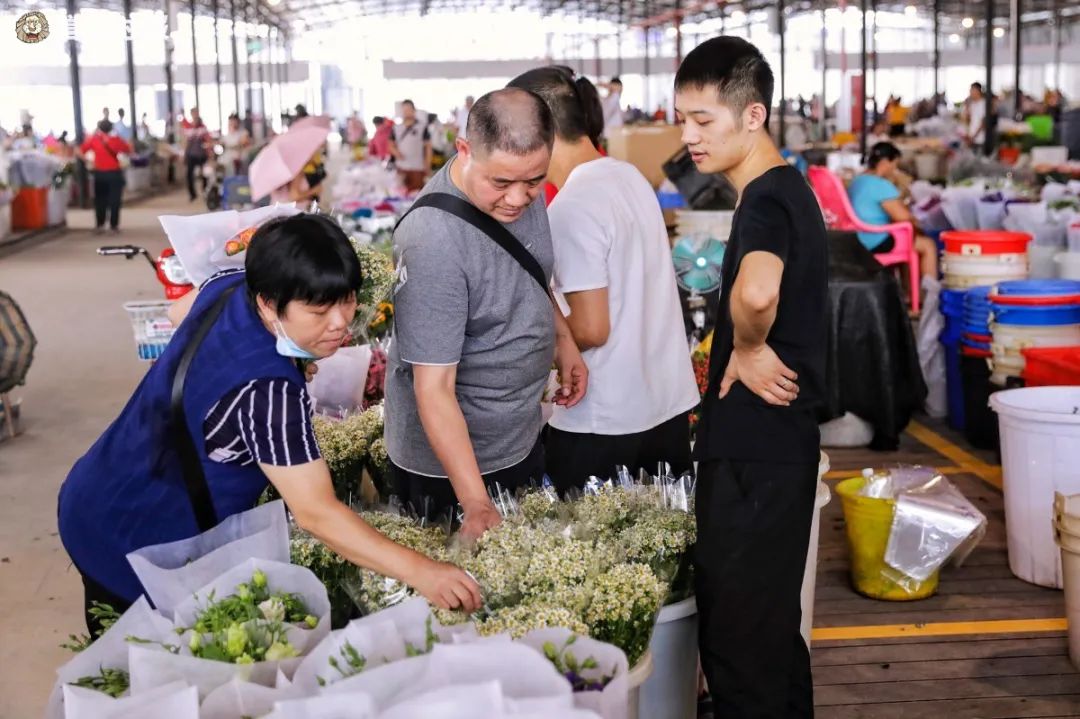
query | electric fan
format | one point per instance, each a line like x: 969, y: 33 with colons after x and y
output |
x: 697, y: 263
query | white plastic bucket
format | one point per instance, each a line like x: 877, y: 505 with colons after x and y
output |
x: 957, y: 264
x: 671, y: 691
x: 1042, y: 262
x: 637, y: 676
x: 809, y: 583
x: 1068, y: 265
x: 1040, y: 455
x: 1013, y: 338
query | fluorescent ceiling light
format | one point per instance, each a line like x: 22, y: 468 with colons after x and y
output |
x: 954, y: 39
x: 738, y: 16
x: 999, y: 32
x: 911, y: 11
x: 968, y: 23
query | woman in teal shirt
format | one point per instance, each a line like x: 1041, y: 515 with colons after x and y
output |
x: 876, y: 201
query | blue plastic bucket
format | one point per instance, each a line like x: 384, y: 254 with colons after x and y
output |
x: 1037, y: 316
x: 1039, y: 288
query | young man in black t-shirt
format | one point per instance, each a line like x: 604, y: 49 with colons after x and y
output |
x: 758, y: 439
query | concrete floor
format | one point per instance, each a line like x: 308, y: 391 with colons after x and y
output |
x: 84, y: 369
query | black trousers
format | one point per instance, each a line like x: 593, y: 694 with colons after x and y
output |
x: 753, y: 533
x: 108, y: 194
x: 194, y: 168
x: 432, y: 497
x: 94, y: 592
x: 573, y: 457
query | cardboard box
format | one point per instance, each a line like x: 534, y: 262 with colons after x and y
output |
x: 646, y: 147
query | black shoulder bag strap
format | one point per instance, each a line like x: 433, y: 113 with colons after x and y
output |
x: 190, y: 464
x: 486, y: 224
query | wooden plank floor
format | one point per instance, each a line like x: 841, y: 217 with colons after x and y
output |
x: 896, y: 660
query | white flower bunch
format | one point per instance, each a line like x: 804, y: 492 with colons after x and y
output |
x: 623, y: 608
x: 524, y: 618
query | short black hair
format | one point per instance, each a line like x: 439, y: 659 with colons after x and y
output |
x: 882, y: 151
x: 410, y: 103
x: 378, y: 119
x: 573, y: 101
x: 615, y: 81
x: 305, y: 257
x: 513, y: 120
x: 103, y: 125
x: 735, y: 68
x: 978, y: 86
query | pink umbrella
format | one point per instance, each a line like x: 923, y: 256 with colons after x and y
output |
x: 283, y: 159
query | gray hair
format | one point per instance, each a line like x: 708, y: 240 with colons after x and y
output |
x: 513, y: 120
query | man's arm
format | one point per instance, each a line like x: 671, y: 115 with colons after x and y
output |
x: 590, y: 318
x: 573, y: 373
x: 429, y: 156
x: 392, y: 148
x: 754, y: 299
x: 446, y: 430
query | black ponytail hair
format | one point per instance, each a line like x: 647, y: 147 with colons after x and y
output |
x: 574, y: 101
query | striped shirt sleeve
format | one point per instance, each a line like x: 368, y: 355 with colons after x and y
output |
x: 272, y: 418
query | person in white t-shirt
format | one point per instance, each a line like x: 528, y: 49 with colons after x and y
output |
x: 461, y: 117
x: 612, y: 105
x: 976, y: 116
x: 613, y: 268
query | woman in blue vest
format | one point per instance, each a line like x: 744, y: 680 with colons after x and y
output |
x: 223, y: 412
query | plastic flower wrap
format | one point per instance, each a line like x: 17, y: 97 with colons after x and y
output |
x: 372, y: 591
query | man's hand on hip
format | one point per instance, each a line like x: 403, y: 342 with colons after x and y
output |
x: 761, y: 371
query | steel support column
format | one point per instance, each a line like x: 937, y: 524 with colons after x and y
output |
x: 133, y: 123
x: 1016, y: 37
x: 678, y: 34
x: 235, y: 58
x: 824, y: 74
x: 170, y: 89
x: 217, y: 67
x: 261, y: 57
x: 862, y: 94
x: 646, y: 69
x: 780, y: 29
x: 194, y: 55
x: 874, y: 60
x: 76, y: 100
x: 249, y: 95
x: 1056, y: 42
x: 989, y: 139
x: 937, y: 50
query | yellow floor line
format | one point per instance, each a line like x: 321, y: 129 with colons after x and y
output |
x: 847, y: 473
x: 940, y: 629
x: 990, y: 474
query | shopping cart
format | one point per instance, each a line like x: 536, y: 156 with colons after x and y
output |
x: 153, y: 330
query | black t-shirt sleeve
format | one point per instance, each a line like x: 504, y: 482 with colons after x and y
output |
x: 764, y: 226
x: 427, y: 134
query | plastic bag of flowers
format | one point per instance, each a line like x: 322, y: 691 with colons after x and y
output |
x: 347, y: 652
x: 353, y: 706
x: 172, y: 572
x: 526, y: 677
x: 176, y: 700
x: 254, y: 619
x: 243, y: 699
x: 103, y: 666
x: 597, y: 672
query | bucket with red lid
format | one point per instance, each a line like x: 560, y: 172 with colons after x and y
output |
x: 985, y: 242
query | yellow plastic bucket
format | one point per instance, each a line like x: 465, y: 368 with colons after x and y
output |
x: 869, y: 522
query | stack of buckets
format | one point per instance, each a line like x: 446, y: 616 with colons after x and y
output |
x: 974, y: 258
x: 980, y: 423
x: 1033, y: 313
x: 952, y: 307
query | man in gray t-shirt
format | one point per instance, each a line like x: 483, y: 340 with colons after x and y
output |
x: 474, y: 334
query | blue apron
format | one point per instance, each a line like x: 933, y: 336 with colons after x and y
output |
x: 128, y: 491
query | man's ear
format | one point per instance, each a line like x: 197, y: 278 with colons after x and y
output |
x: 754, y: 116
x: 463, y: 148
